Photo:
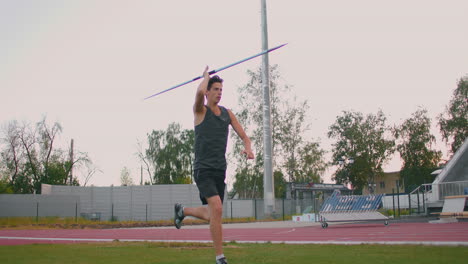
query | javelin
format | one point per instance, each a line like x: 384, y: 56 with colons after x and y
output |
x: 217, y: 70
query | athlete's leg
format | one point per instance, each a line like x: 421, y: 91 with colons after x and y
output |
x: 215, y: 208
x: 198, y: 212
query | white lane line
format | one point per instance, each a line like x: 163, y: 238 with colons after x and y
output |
x: 101, y: 239
x: 285, y: 232
x: 431, y: 243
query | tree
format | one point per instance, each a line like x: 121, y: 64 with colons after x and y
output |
x: 280, y: 184
x: 364, y: 139
x: 5, y: 187
x: 248, y: 183
x: 291, y: 138
x: 91, y: 169
x: 288, y: 127
x: 125, y: 178
x: 31, y: 158
x: 11, y: 154
x: 453, y: 122
x: 46, y: 140
x: 303, y: 161
x: 249, y: 175
x: 311, y: 163
x: 170, y: 154
x: 415, y: 142
x: 146, y: 162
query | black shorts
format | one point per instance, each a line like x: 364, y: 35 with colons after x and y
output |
x: 210, y: 182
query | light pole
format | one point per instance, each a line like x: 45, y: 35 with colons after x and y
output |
x: 268, y: 183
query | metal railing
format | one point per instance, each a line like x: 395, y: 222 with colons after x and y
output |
x: 417, y: 199
x: 432, y: 193
x: 451, y: 189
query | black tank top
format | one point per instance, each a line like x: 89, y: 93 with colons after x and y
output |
x: 211, y: 137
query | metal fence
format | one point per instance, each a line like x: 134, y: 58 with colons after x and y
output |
x: 426, y: 196
x: 284, y: 208
x: 16, y: 205
x: 137, y: 203
x: 13, y: 205
x: 155, y: 202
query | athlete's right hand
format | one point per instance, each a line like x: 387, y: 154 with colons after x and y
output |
x: 206, y: 74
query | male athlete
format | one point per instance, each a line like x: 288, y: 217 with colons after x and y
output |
x: 211, y: 133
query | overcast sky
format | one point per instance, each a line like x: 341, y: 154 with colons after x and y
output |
x: 87, y: 64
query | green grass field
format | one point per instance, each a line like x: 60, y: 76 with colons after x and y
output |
x: 182, y: 253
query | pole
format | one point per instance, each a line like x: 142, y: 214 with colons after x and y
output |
x: 409, y: 203
x: 424, y: 201
x: 282, y: 209
x: 419, y: 208
x: 314, y: 201
x: 255, y: 208
x: 268, y: 184
x: 398, y: 196
x: 37, y: 212
x: 71, y: 162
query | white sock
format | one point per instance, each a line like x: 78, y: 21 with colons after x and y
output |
x: 220, y: 257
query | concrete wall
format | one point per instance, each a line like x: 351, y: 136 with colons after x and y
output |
x: 148, y: 202
x: 139, y: 203
x: 30, y: 205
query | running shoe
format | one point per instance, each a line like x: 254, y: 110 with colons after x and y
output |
x: 221, y: 261
x: 178, y: 215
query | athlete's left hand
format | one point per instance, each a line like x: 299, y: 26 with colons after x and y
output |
x: 248, y: 153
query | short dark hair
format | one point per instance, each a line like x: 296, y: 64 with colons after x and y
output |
x: 212, y: 80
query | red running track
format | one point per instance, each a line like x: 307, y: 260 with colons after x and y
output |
x: 395, y: 233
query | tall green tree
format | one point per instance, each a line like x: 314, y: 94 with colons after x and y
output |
x: 303, y: 160
x: 280, y: 185
x: 311, y: 163
x: 31, y: 157
x: 170, y: 153
x: 291, y: 139
x: 249, y: 175
x: 415, y: 143
x: 294, y: 157
x: 453, y: 123
x: 364, y: 139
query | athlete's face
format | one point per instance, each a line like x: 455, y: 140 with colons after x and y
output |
x: 215, y: 93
